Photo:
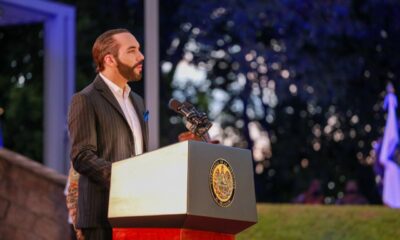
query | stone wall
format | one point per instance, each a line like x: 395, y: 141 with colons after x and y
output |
x: 32, y: 203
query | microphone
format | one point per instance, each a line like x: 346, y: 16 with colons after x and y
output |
x: 196, y: 122
x: 204, y: 122
x: 180, y: 108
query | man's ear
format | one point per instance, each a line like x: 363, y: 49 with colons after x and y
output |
x: 109, y: 60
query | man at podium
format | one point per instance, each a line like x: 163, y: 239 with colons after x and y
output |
x: 107, y: 123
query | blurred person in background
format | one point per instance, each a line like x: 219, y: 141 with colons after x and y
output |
x: 352, y: 194
x: 313, y: 195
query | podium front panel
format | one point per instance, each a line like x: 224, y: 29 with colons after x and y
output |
x: 203, y: 204
x: 150, y: 184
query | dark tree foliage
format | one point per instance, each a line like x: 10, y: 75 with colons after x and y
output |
x: 21, y: 85
x: 326, y: 63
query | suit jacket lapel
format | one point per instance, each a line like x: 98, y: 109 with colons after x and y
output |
x: 107, y: 94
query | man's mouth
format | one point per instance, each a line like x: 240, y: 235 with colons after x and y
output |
x: 138, y: 65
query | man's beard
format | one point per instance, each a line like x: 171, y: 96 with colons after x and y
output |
x: 128, y: 72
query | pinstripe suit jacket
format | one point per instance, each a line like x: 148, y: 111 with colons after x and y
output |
x: 100, y: 135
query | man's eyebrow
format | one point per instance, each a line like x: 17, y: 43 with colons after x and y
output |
x: 132, y: 48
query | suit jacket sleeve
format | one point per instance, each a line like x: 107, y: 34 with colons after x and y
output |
x: 82, y: 130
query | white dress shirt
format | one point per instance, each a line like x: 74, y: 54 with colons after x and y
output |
x: 131, y: 116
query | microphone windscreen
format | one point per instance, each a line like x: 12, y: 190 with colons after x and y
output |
x: 174, y: 104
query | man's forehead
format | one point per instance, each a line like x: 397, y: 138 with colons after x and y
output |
x: 127, y: 39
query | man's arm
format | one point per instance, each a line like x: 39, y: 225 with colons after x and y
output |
x: 82, y: 130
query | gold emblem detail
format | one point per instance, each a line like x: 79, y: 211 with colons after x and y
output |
x: 222, y: 182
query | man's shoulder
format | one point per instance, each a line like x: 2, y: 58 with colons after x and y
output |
x: 89, y: 90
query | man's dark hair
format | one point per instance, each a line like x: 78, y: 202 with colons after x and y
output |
x: 105, y: 44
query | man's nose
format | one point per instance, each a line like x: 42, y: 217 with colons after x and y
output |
x: 141, y: 57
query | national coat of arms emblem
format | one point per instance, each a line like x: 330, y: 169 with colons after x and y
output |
x: 222, y: 182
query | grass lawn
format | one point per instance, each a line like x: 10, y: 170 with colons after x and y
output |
x: 298, y: 222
